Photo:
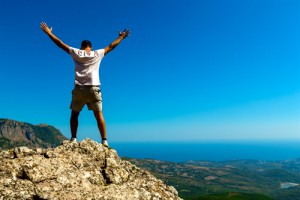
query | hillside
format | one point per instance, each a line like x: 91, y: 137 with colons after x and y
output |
x: 232, y: 196
x: 84, y: 170
x: 15, y: 133
x: 278, y: 179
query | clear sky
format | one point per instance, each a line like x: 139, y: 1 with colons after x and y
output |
x: 191, y: 70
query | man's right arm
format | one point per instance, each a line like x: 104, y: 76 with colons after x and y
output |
x: 55, y: 39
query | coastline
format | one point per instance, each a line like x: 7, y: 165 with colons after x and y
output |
x: 210, y: 150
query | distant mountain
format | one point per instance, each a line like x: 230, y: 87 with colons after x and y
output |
x: 207, y: 180
x: 15, y: 133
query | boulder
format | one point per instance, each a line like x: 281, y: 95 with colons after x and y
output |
x: 84, y: 170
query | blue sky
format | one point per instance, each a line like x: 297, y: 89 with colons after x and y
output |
x: 191, y: 70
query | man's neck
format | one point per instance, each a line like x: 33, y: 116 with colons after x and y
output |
x: 87, y: 49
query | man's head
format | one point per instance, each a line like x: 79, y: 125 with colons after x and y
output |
x: 86, y: 45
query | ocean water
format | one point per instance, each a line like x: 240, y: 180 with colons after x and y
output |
x: 210, y: 151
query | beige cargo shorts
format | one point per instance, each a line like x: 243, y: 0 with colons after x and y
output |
x: 89, y: 95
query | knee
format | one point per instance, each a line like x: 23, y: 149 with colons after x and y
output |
x: 74, y: 116
x: 98, y: 116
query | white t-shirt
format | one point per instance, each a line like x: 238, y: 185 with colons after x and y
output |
x: 87, y: 66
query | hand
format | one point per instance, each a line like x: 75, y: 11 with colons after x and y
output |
x: 45, y: 28
x: 125, y: 33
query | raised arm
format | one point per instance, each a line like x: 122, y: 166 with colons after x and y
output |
x: 55, y: 39
x: 122, y: 35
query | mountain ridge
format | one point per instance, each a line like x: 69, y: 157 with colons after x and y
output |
x: 16, y: 133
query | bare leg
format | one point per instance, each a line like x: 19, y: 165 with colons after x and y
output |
x: 74, y: 123
x: 101, y: 124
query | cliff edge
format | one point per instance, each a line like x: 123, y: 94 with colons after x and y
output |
x: 84, y: 170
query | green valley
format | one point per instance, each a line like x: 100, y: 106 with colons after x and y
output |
x: 250, y: 179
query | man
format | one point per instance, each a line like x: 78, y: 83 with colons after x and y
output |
x: 87, y: 81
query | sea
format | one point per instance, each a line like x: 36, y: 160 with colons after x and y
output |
x: 210, y: 150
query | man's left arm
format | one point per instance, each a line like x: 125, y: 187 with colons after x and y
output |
x: 122, y: 35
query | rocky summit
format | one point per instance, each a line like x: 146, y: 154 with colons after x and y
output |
x: 84, y: 170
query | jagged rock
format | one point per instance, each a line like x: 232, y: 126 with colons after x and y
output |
x: 85, y: 170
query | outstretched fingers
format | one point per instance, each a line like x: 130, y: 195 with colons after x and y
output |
x: 43, y: 25
x: 45, y: 28
x: 125, y: 33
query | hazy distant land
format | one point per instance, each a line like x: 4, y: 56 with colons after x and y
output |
x: 275, y: 179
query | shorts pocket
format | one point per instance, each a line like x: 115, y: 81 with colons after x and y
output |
x: 97, y: 94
